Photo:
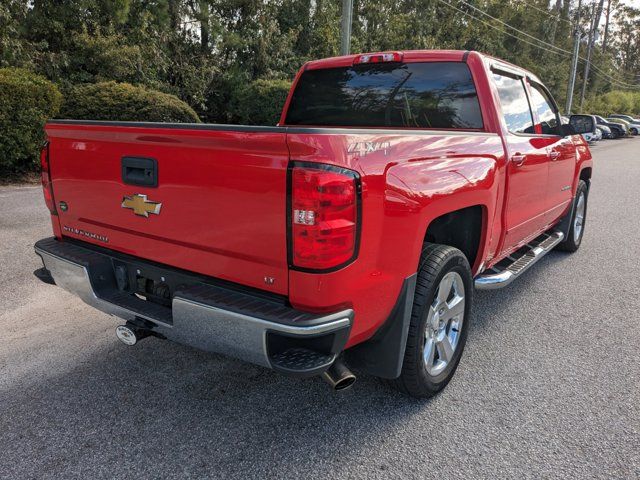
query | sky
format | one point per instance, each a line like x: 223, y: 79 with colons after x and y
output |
x: 633, y: 3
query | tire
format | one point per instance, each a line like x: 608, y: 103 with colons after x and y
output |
x: 578, y: 222
x: 439, y: 264
x: 634, y: 131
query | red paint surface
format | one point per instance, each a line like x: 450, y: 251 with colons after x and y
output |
x: 224, y: 196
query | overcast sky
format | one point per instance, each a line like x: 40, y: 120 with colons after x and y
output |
x: 634, y: 3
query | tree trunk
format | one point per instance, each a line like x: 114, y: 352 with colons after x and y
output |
x: 605, y: 39
x: 174, y: 14
x: 558, y: 10
x: 204, y: 25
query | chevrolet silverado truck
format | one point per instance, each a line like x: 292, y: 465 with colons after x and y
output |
x: 352, y: 235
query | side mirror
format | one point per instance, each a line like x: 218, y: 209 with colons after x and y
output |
x: 583, y: 123
x: 568, y: 130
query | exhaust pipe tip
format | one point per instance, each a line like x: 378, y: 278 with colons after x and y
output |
x: 338, y: 376
x: 126, y: 335
x: 130, y: 334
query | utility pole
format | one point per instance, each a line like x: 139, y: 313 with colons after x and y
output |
x: 345, y: 31
x: 595, y: 21
x: 574, y: 61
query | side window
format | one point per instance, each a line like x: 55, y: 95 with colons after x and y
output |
x: 541, y: 104
x: 515, y: 105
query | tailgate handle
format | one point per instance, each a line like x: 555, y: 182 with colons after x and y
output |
x: 140, y: 171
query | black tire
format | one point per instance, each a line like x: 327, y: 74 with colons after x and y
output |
x: 436, y: 261
x: 634, y: 131
x: 572, y: 242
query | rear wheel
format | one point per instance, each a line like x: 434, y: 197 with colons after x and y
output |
x: 439, y: 321
x: 576, y: 232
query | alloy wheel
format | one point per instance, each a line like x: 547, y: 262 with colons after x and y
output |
x: 444, y: 323
x: 578, y: 221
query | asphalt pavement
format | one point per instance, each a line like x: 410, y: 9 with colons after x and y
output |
x: 548, y: 387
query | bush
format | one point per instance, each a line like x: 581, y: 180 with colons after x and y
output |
x: 614, y: 102
x: 27, y: 100
x: 124, y: 102
x: 260, y: 102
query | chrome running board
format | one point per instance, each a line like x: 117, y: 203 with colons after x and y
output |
x: 507, y: 270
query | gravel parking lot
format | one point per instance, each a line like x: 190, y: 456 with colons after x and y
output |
x: 549, y: 385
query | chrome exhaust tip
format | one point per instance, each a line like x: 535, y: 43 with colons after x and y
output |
x: 130, y: 334
x: 338, y: 376
x: 126, y: 335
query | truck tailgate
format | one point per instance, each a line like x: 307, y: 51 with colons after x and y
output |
x: 221, y: 193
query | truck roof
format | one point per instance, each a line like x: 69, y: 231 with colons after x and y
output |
x: 415, y: 56
x: 408, y: 56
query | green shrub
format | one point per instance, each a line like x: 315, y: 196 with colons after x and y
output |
x: 260, y: 102
x: 124, y: 102
x: 27, y: 100
x: 615, y: 101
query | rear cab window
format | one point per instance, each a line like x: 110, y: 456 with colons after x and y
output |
x: 515, y: 103
x: 425, y: 95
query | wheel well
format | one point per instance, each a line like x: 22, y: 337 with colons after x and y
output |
x: 585, y: 174
x: 460, y: 229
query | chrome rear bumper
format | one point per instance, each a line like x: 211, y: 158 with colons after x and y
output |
x: 203, y: 315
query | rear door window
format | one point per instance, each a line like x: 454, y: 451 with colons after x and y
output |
x: 515, y: 104
x: 409, y: 95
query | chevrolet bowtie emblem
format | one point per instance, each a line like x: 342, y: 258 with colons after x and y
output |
x: 140, y: 205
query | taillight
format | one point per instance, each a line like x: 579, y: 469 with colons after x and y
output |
x: 45, y: 173
x: 324, y: 216
x: 382, y: 57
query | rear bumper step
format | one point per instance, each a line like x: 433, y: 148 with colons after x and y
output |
x: 203, y: 315
x: 507, y: 270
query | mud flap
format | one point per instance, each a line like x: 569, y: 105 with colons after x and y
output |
x: 382, y: 355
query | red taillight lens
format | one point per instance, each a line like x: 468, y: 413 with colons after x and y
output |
x: 45, y: 173
x: 324, y: 216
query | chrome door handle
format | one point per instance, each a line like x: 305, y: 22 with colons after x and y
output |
x: 554, y: 154
x: 518, y: 159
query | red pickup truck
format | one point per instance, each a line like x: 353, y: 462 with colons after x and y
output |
x: 353, y: 233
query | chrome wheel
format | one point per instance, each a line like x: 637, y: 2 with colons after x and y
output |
x: 444, y: 323
x: 578, y: 221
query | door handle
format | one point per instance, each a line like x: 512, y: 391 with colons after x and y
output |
x: 518, y: 159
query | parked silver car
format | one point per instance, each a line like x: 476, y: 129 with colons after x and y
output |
x: 634, y: 123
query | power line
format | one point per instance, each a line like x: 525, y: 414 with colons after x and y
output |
x: 612, y: 79
x: 537, y: 43
x: 498, y: 29
x: 514, y: 28
x: 557, y: 17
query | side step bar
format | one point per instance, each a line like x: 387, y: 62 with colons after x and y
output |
x: 507, y: 270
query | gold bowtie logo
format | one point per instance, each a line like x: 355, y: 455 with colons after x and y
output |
x: 140, y: 205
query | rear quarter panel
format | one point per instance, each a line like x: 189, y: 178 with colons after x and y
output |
x: 408, y: 179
